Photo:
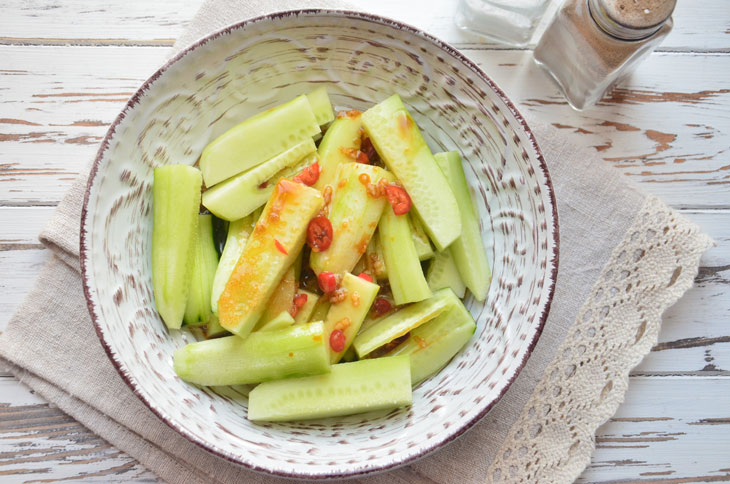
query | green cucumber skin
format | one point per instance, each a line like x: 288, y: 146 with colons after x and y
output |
x: 319, y: 102
x: 281, y: 321
x: 343, y: 133
x: 355, y: 312
x: 420, y: 239
x: 350, y: 388
x: 240, y: 195
x: 403, y: 321
x: 400, y: 144
x: 401, y: 259
x: 175, y: 205
x: 258, y: 139
x: 442, y: 272
x: 262, y: 356
x: 238, y: 232
x: 432, y: 345
x: 354, y: 216
x: 198, y: 308
x: 468, y: 250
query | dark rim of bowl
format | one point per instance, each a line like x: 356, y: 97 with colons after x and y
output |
x: 84, y: 252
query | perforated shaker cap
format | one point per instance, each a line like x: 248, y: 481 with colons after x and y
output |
x: 631, y: 19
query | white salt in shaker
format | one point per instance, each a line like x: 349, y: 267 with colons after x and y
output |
x: 510, y: 22
x: 590, y: 44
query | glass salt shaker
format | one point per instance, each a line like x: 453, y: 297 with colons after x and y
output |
x: 510, y: 22
x: 591, y: 44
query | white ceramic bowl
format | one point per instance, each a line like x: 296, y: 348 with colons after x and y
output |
x: 361, y: 59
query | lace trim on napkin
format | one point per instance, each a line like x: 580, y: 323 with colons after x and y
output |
x: 553, y: 439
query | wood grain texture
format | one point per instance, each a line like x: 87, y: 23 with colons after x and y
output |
x: 118, y: 22
x: 658, y: 127
x: 666, y: 127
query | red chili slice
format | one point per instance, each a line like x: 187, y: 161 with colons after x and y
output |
x: 362, y: 157
x: 399, y: 199
x: 280, y: 247
x: 298, y: 303
x: 382, y: 306
x: 327, y: 281
x: 337, y: 341
x: 366, y: 276
x: 309, y: 175
x: 319, y: 234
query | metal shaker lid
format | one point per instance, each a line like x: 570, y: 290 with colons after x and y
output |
x: 631, y: 19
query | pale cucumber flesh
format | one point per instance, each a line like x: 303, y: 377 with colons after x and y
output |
x: 258, y: 139
x: 238, y: 233
x: 442, y: 272
x: 354, y: 216
x: 282, y: 321
x: 305, y: 312
x: 468, y: 250
x: 321, y: 106
x: 240, y: 195
x: 342, y: 135
x: 271, y: 249
x: 400, y: 144
x: 348, y: 314
x: 175, y: 205
x: 350, y: 388
x: 198, y: 307
x: 401, y: 259
x: 403, y: 321
x: 262, y: 356
x: 282, y: 298
x: 433, y: 344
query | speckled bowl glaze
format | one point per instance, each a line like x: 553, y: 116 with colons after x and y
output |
x: 361, y: 59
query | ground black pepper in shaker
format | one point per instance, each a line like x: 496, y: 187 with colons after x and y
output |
x: 590, y: 44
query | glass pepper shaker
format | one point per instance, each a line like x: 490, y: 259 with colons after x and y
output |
x: 590, y: 44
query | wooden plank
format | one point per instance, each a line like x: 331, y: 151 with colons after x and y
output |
x: 119, y: 22
x: 39, y: 443
x: 660, y: 129
x: 659, y: 432
x: 666, y: 431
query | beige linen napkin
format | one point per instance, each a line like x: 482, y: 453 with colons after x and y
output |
x: 624, y: 258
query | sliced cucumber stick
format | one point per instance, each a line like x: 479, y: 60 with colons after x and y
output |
x: 399, y: 253
x: 348, y: 314
x: 272, y: 248
x: 305, y: 312
x: 342, y: 136
x: 282, y: 298
x: 264, y: 355
x: 350, y: 388
x: 468, y: 250
x: 433, y: 344
x: 403, y: 321
x: 240, y: 195
x: 420, y: 239
x: 198, y: 308
x: 258, y: 139
x: 282, y: 321
x: 442, y: 272
x: 175, y: 205
x: 321, y: 106
x: 354, y: 215
x: 238, y: 233
x: 399, y: 142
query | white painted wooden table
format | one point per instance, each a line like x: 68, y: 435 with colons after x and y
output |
x: 67, y: 68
